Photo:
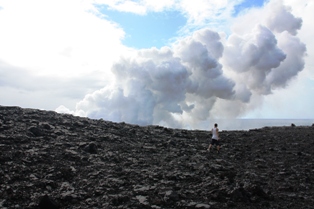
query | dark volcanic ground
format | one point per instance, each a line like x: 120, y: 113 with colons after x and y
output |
x: 51, y: 160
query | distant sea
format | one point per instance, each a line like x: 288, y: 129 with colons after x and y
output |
x: 247, y: 124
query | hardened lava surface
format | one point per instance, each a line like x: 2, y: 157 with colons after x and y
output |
x: 50, y: 160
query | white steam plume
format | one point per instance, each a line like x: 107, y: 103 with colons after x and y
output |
x: 202, y: 76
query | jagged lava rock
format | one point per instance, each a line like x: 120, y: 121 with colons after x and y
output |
x: 51, y: 160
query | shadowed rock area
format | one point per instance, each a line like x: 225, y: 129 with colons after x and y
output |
x: 50, y: 160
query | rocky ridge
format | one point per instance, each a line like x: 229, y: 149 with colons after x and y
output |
x: 51, y: 160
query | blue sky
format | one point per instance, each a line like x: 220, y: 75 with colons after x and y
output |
x: 107, y: 59
x: 247, y: 4
x: 154, y: 29
x: 158, y: 29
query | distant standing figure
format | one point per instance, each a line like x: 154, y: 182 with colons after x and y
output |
x: 215, y: 138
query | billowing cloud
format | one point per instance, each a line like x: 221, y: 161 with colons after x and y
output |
x: 202, y: 76
x: 61, y: 53
x: 270, y: 55
x: 281, y: 19
x: 255, y: 56
x: 165, y: 82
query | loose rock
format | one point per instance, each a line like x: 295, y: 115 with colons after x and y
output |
x: 51, y: 160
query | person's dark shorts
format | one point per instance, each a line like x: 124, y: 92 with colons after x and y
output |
x: 215, y: 141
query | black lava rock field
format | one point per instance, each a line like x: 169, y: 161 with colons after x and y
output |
x: 55, y: 161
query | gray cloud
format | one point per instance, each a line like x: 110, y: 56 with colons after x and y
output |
x: 281, y: 19
x: 155, y: 83
x: 201, y: 76
x: 257, y: 56
x: 294, y: 63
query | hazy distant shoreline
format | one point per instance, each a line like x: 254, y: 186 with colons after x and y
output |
x: 246, y: 124
x: 231, y: 124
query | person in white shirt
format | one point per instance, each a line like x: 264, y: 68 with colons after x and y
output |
x: 215, y: 138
